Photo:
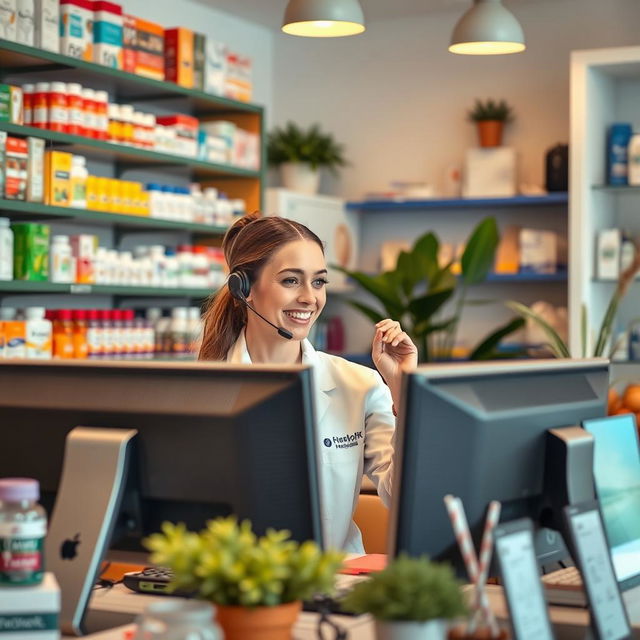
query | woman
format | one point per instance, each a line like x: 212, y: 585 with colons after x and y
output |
x: 278, y: 267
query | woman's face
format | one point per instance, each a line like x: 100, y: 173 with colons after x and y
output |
x: 291, y: 288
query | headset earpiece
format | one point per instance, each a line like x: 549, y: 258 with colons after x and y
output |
x: 239, y: 285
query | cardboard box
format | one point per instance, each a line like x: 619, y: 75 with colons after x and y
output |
x: 490, y: 173
x: 11, y: 104
x: 3, y: 145
x: 31, y: 611
x: 31, y: 251
x: 58, y: 178
x: 508, y: 252
x: 15, y: 173
x: 609, y: 243
x: 149, y: 49
x: 84, y: 248
x: 8, y: 19
x: 107, y: 34
x: 47, y: 25
x: 538, y: 251
x: 25, y: 22
x: 199, y: 46
x: 215, y: 66
x: 76, y: 29
x: 129, y: 43
x: 178, y: 56
x: 35, y: 170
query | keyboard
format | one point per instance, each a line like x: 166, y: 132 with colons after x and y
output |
x: 564, y: 587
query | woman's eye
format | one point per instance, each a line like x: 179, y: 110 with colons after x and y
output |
x: 320, y: 282
x: 289, y: 281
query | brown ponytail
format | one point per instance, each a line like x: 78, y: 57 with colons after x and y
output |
x: 248, y: 245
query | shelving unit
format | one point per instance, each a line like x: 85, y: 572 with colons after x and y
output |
x: 21, y: 63
x: 605, y: 88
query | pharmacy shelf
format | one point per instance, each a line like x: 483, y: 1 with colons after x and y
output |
x: 560, y: 276
x: 19, y: 59
x: 607, y: 188
x: 29, y: 287
x: 128, y: 157
x: 19, y: 210
x: 560, y: 198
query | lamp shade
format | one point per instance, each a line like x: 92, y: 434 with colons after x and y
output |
x: 487, y: 28
x: 323, y: 18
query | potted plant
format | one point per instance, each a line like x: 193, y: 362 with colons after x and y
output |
x: 412, y: 599
x: 256, y: 583
x: 490, y: 117
x: 427, y: 297
x: 301, y: 153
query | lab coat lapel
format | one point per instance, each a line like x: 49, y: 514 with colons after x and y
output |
x: 323, y: 380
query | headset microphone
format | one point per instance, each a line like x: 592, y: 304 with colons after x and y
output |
x: 238, y: 281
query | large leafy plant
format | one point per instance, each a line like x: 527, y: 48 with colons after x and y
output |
x: 428, y: 299
x: 294, y: 144
x: 413, y: 589
x: 228, y: 564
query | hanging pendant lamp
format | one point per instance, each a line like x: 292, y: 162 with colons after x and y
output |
x: 323, y: 18
x: 487, y: 28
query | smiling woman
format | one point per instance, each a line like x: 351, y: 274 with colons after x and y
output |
x: 277, y: 290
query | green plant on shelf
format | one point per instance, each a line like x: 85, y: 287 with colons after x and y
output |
x: 490, y: 110
x: 427, y: 297
x: 292, y: 144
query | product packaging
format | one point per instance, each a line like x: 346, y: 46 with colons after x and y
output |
x: 58, y: 178
x: 83, y: 247
x: 186, y: 132
x: 149, y: 49
x: 538, y: 251
x: 178, y: 56
x: 31, y: 251
x: 128, y: 43
x: 215, y: 66
x: 35, y: 169
x: 6, y: 250
x: 25, y: 22
x: 3, y: 145
x: 633, y: 157
x: 76, y: 29
x: 37, y: 334
x: 617, y: 147
x: 47, y: 25
x: 35, y: 608
x: 490, y: 173
x: 14, y: 343
x: 238, y: 78
x: 608, y: 254
x: 199, y: 46
x: 8, y: 19
x: 107, y: 34
x: 11, y: 104
x: 508, y: 252
x: 15, y: 163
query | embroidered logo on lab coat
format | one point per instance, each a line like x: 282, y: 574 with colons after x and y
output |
x: 344, y: 442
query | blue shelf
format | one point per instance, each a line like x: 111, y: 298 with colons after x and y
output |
x: 560, y: 276
x: 459, y: 203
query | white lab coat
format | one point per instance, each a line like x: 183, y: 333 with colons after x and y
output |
x: 355, y: 429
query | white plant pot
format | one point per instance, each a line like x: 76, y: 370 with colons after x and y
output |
x: 300, y: 177
x: 430, y: 630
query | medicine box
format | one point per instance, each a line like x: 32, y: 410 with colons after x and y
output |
x: 76, y: 29
x: 35, y: 170
x: 215, y: 66
x: 199, y: 47
x: 508, y: 252
x: 608, y: 251
x: 107, y: 34
x: 11, y: 104
x: 84, y: 248
x: 31, y: 613
x: 3, y: 145
x: 538, y: 251
x: 149, y: 49
x: 14, y: 339
x: 128, y: 43
x: 238, y: 77
x: 25, y: 21
x: 178, y: 56
x: 490, y: 173
x: 8, y: 19
x: 15, y: 169
x: 47, y: 25
x: 31, y: 251
x: 57, y: 176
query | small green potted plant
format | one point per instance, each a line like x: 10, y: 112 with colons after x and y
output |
x: 412, y: 599
x: 490, y: 117
x: 301, y: 153
x: 256, y: 583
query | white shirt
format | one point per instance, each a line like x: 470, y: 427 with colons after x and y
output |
x: 355, y: 429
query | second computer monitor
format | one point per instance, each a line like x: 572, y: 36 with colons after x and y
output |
x: 478, y: 431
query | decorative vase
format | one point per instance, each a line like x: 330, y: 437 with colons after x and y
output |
x: 490, y: 132
x: 300, y: 177
x: 409, y: 630
x: 258, y: 623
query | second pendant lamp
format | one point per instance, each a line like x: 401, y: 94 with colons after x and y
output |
x: 487, y: 28
x: 323, y: 18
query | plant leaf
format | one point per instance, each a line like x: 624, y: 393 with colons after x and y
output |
x: 555, y: 342
x: 379, y: 287
x: 486, y: 350
x: 372, y: 314
x: 424, y: 307
x: 479, y: 254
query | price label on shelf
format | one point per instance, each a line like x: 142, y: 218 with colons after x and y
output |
x: 81, y: 288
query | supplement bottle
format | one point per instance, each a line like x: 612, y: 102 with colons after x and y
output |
x: 80, y: 346
x: 37, y: 334
x: 6, y: 250
x: 63, y: 335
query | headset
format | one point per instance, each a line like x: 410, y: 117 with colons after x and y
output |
x: 239, y: 285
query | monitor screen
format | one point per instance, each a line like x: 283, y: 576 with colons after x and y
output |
x: 617, y: 477
x: 213, y: 438
x: 478, y: 431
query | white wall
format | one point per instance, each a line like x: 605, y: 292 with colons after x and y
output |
x: 398, y: 99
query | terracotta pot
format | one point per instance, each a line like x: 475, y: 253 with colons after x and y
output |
x: 400, y: 630
x: 490, y: 132
x: 259, y: 623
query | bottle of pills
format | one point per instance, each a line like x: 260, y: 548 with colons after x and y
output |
x: 23, y: 526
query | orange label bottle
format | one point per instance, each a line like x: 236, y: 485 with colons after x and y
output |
x: 63, y: 334
x: 80, y: 345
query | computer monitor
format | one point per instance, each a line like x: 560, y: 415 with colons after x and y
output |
x: 212, y: 439
x: 479, y: 432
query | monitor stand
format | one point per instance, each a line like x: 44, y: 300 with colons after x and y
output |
x: 87, y: 505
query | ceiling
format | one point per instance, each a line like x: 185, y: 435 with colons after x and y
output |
x: 270, y: 12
